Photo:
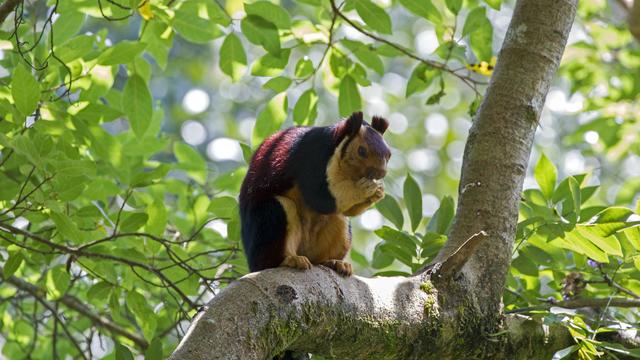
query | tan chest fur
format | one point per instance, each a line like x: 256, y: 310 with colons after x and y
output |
x: 319, y: 237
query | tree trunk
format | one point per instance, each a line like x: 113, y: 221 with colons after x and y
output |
x: 440, y: 313
x: 634, y: 19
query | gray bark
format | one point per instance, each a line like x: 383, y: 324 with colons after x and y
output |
x: 499, y: 143
x: 634, y: 19
x: 419, y: 317
x: 318, y: 311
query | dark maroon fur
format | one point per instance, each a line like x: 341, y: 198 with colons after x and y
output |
x: 380, y: 124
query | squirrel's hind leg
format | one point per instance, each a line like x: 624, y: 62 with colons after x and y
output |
x: 294, y: 236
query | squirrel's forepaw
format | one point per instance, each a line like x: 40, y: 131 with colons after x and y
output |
x: 297, y: 262
x: 368, y: 186
x: 341, y: 267
x: 378, y: 194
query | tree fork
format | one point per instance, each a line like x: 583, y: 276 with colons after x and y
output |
x: 405, y: 318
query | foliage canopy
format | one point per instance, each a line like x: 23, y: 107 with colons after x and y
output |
x: 117, y: 221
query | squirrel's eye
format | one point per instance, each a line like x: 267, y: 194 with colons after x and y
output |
x: 362, y: 151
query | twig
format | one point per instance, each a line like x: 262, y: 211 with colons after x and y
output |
x: 580, y: 303
x: 82, y: 253
x: 454, y: 262
x: 469, y: 81
x: 78, y: 306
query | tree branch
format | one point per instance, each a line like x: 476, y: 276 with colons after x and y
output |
x: 316, y: 310
x: 73, y: 303
x: 83, y: 253
x: 581, y: 303
x: 6, y: 8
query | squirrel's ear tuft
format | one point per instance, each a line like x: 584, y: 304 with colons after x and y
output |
x: 354, y: 122
x: 380, y: 124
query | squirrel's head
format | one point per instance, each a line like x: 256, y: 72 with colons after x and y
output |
x: 361, y: 148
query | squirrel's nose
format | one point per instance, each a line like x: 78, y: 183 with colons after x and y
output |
x: 375, y: 173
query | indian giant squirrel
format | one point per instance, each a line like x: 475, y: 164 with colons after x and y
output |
x: 301, y: 185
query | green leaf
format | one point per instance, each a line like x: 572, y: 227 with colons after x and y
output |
x: 261, y: 32
x: 574, y: 188
x: 399, y: 238
x: 545, y: 174
x: 67, y: 25
x: 480, y: 32
x: 365, y: 55
x: 154, y: 351
x: 147, y: 178
x: 413, y: 201
x: 273, y: 13
x: 525, y: 266
x: 424, y: 8
x: 233, y: 60
x: 494, y: 3
x: 573, y: 241
x: 358, y: 258
x: 157, y: 221
x: 474, y: 21
x: 390, y: 209
x: 608, y: 244
x: 420, y: 79
x: 136, y: 102
x: 99, y: 292
x: 75, y: 168
x: 123, y: 52
x: 304, y: 68
x: 374, y: 16
x: 66, y: 227
x: 190, y: 160
x: 271, y: 64
x: 25, y: 90
x: 339, y: 64
x: 454, y: 5
x: 443, y: 217
x: 224, y: 207
x: 303, y: 111
x: 8, y: 188
x: 57, y: 282
x: 122, y: 352
x: 143, y: 313
x: 193, y: 21
x: 278, y: 84
x: 398, y: 252
x: 12, y: 264
x: 564, y: 353
x: 381, y: 259
x: 270, y: 119
x: 133, y: 221
x: 349, y: 97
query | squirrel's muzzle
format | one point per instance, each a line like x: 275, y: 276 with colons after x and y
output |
x: 375, y: 173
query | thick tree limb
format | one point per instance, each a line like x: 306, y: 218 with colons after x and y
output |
x: 6, y: 8
x: 78, y: 306
x: 316, y: 310
x: 344, y: 318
